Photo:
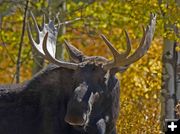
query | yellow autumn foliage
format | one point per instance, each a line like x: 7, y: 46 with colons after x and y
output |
x: 140, y: 94
x: 140, y: 83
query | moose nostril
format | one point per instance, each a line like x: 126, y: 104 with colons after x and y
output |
x: 75, y: 120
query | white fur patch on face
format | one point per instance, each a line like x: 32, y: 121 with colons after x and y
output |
x: 80, y: 91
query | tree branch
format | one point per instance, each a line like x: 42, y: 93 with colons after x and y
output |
x: 18, y: 63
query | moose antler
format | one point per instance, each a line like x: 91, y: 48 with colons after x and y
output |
x: 52, y: 59
x: 47, y: 46
x: 124, y: 59
x: 40, y: 35
x: 47, y: 42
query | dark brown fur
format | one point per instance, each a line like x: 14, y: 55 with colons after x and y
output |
x: 39, y: 105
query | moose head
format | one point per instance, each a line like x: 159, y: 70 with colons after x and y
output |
x: 95, y: 97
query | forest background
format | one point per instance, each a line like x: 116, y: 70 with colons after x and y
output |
x: 141, y: 84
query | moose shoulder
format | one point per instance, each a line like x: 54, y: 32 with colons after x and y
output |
x: 77, y: 97
x: 38, y: 105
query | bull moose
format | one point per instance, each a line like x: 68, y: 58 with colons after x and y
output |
x: 76, y: 97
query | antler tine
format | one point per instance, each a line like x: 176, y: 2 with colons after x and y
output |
x: 141, y: 50
x: 143, y: 38
x: 140, y: 47
x: 128, y: 42
x: 52, y: 59
x: 145, y: 42
x: 30, y: 35
x: 71, y: 47
x: 115, y: 53
x: 40, y: 34
x: 75, y: 55
x: 35, y: 23
x: 47, y: 43
x: 108, y: 43
x: 35, y: 45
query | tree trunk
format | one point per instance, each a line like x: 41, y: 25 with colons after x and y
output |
x: 168, y: 82
x: 62, y: 31
x: 170, y: 78
x: 177, y: 66
x: 178, y: 77
x: 18, y: 62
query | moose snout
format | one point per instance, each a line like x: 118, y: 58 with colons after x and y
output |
x: 75, y: 120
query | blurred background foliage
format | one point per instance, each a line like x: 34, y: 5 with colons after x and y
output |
x: 140, y: 84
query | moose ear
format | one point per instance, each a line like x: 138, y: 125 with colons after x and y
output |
x: 75, y: 55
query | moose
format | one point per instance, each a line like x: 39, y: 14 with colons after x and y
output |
x: 80, y: 96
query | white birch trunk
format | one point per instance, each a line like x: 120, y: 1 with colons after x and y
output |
x: 168, y: 83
